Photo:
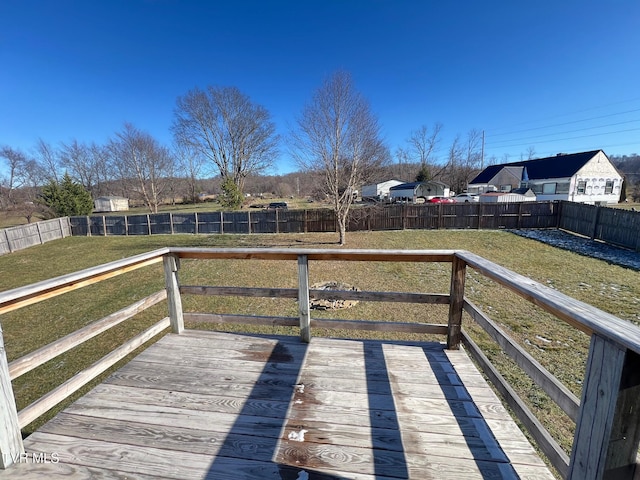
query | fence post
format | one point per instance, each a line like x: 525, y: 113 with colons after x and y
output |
x: 519, y: 225
x: 403, y: 213
x: 39, y: 233
x: 249, y: 221
x: 88, y: 226
x: 171, y: 222
x: 559, y: 204
x: 594, y: 224
x: 148, y: 224
x: 456, y: 302
x: 6, y: 235
x: 171, y: 266
x: 607, y: 433
x: 196, y: 225
x: 104, y: 225
x: 221, y: 222
x: 304, y: 309
x: 11, y: 446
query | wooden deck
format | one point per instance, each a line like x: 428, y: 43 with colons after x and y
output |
x: 229, y: 406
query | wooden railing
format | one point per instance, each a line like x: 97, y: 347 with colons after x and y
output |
x: 607, y: 430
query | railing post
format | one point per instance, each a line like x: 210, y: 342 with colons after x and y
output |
x: 607, y: 434
x: 11, y: 446
x: 171, y: 265
x: 303, y: 298
x: 456, y: 302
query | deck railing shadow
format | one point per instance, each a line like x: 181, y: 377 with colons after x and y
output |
x: 490, y: 459
x: 607, y: 417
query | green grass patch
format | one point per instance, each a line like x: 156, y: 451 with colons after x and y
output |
x: 555, y: 345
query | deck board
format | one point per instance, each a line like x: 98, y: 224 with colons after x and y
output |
x: 232, y: 406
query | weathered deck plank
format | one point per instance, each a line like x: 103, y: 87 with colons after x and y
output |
x: 227, y: 406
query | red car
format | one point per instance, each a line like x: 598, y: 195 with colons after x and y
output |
x: 441, y: 200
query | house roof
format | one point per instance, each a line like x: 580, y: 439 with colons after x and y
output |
x: 412, y: 185
x: 559, y: 166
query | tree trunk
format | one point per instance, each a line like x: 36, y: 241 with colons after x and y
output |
x: 342, y: 228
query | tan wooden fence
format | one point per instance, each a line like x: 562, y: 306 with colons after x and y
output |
x: 25, y: 236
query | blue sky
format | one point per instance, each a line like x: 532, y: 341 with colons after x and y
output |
x: 555, y: 75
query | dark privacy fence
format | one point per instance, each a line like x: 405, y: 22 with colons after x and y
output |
x: 391, y: 217
x: 611, y: 225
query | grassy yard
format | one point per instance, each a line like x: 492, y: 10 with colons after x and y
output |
x: 558, y: 347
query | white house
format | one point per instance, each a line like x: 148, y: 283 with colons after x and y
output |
x: 379, y: 191
x: 587, y: 177
x: 416, y: 191
x: 110, y: 204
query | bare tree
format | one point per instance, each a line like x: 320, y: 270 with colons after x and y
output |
x: 103, y: 171
x: 78, y: 163
x: 16, y: 162
x: 225, y: 126
x: 48, y: 159
x: 338, y: 135
x: 531, y: 153
x: 464, y: 160
x: 192, y: 166
x: 19, y: 190
x: 422, y: 144
x: 144, y: 162
x: 404, y: 161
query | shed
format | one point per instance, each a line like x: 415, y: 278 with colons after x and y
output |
x: 379, y: 191
x: 518, y: 195
x: 110, y: 204
x: 419, y: 190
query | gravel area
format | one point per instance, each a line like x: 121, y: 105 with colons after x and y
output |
x: 584, y: 246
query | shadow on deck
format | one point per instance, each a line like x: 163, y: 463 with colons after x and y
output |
x: 230, y: 406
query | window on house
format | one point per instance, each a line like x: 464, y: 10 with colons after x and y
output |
x: 562, y: 187
x: 582, y: 186
x: 608, y: 188
x: 548, y: 188
x: 505, y: 188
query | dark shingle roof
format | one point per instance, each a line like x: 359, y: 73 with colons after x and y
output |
x: 407, y: 186
x: 559, y: 166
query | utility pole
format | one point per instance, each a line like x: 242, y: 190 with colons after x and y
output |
x: 482, y: 154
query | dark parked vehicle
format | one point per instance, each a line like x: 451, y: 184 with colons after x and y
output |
x: 277, y: 206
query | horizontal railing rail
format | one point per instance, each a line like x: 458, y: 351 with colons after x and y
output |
x: 609, y: 403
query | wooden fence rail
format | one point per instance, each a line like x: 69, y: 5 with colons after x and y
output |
x: 607, y: 416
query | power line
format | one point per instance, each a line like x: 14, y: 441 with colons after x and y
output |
x: 575, y: 138
x: 566, y: 114
x: 500, y: 143
x: 567, y: 123
x: 598, y: 146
